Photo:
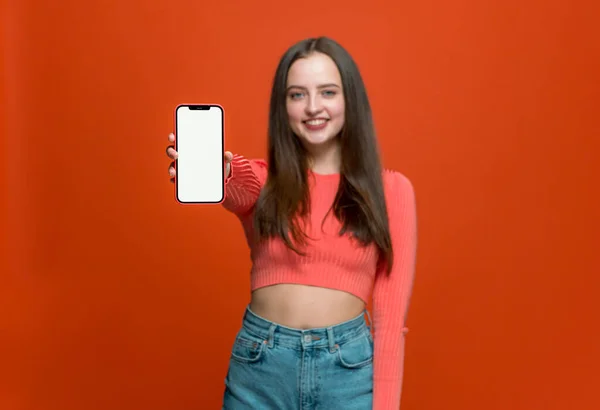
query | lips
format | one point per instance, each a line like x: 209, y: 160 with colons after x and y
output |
x: 316, y: 121
x: 316, y: 124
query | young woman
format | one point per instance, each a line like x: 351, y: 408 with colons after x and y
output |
x: 328, y: 228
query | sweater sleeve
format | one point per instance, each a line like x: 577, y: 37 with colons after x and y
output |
x: 244, y: 183
x: 391, y: 295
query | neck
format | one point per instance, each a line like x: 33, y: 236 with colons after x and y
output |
x: 326, y: 160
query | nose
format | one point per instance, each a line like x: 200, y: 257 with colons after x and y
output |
x: 313, y: 105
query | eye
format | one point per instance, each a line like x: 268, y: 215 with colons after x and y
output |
x: 295, y: 95
x: 329, y: 93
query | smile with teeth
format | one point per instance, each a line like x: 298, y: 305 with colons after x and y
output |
x: 316, y: 122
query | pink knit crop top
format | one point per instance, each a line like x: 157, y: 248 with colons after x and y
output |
x: 339, y: 263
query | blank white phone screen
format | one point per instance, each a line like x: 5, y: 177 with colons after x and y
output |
x: 199, y: 145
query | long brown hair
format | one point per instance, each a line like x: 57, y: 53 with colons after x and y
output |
x: 285, y: 199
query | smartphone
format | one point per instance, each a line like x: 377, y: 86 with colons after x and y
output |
x: 200, y: 144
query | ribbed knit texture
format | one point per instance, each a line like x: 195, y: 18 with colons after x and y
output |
x: 340, y: 263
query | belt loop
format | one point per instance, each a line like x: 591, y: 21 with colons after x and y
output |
x: 272, y: 334
x: 331, y: 340
x: 369, y: 317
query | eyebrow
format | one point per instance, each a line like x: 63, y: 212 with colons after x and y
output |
x: 320, y: 86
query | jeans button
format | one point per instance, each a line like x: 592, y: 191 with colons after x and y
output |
x: 307, y: 338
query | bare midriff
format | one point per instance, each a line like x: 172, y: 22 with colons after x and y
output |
x: 305, y: 307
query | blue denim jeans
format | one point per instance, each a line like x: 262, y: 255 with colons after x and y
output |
x: 273, y: 367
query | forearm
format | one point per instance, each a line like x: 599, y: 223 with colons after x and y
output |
x: 243, y: 184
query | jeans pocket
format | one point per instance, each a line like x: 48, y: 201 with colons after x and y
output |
x: 356, y: 353
x: 247, y: 348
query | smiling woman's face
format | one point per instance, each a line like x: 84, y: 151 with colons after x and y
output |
x: 315, y: 100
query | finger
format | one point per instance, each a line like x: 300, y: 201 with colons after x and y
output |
x: 171, y: 153
x: 171, y: 137
x: 228, y: 156
x: 172, y: 171
x: 172, y: 180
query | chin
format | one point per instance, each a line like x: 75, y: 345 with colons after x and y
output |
x: 316, y: 140
x: 321, y: 137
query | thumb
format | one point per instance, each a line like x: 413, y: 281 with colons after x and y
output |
x: 228, y: 156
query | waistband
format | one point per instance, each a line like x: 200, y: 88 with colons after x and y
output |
x: 323, y: 337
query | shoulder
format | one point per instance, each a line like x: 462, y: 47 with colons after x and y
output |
x: 399, y: 195
x: 396, y: 184
x: 401, y: 203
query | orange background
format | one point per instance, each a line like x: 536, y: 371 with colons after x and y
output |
x: 113, y: 296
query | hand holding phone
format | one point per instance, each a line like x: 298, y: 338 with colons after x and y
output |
x: 172, y: 154
x: 199, y: 158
